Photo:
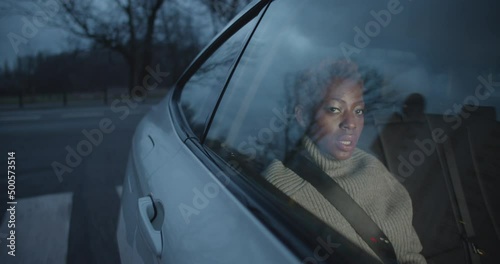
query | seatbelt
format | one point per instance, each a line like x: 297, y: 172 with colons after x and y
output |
x: 456, y: 190
x: 461, y: 201
x: 343, y: 202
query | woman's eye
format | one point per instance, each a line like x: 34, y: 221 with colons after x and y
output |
x: 359, y: 111
x: 334, y: 109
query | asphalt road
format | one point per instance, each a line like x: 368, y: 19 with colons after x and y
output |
x: 70, y: 218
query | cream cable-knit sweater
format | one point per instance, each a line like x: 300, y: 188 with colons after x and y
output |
x: 370, y: 184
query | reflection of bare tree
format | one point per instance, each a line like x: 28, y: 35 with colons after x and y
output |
x: 190, y: 115
x: 203, y: 88
x: 222, y: 60
x: 373, y: 83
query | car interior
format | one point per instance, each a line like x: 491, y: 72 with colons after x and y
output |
x: 442, y: 210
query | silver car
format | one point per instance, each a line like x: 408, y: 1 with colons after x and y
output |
x: 195, y: 189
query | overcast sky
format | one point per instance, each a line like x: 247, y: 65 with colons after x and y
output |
x: 45, y: 40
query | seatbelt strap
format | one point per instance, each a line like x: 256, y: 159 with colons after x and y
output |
x: 461, y: 200
x: 343, y: 202
x: 457, y: 192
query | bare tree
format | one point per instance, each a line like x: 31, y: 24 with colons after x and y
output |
x: 126, y: 27
x: 179, y: 38
x: 131, y: 31
x: 130, y: 27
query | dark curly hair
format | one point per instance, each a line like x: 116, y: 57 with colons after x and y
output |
x: 310, y: 86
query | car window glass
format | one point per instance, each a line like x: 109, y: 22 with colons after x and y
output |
x: 201, y: 91
x: 431, y: 107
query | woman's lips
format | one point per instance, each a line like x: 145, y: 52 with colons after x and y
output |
x: 346, y: 143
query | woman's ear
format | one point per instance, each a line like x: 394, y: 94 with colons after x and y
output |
x: 299, y: 116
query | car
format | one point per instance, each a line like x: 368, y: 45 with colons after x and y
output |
x: 195, y: 189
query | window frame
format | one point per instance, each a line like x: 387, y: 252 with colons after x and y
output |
x: 253, y: 11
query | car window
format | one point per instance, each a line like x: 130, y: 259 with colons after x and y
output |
x: 202, y: 90
x: 428, y: 121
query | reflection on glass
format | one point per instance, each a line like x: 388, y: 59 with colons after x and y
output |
x: 201, y: 92
x: 430, y: 102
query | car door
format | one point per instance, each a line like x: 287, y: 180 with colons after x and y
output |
x: 174, y: 208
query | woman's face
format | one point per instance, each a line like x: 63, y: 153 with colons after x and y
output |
x: 339, y: 119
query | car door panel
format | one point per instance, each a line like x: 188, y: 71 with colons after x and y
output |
x: 204, y: 223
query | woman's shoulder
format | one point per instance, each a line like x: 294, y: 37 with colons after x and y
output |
x: 378, y: 171
x: 274, y: 169
x: 282, y: 177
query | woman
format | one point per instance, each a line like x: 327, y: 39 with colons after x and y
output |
x: 330, y: 112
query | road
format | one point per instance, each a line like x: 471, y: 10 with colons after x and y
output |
x: 69, y: 218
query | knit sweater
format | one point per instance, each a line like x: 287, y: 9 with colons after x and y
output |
x: 370, y: 184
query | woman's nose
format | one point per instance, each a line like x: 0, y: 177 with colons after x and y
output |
x: 348, y: 122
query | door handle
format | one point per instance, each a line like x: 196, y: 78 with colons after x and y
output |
x: 150, y: 221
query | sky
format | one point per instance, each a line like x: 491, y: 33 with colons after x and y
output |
x: 44, y: 39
